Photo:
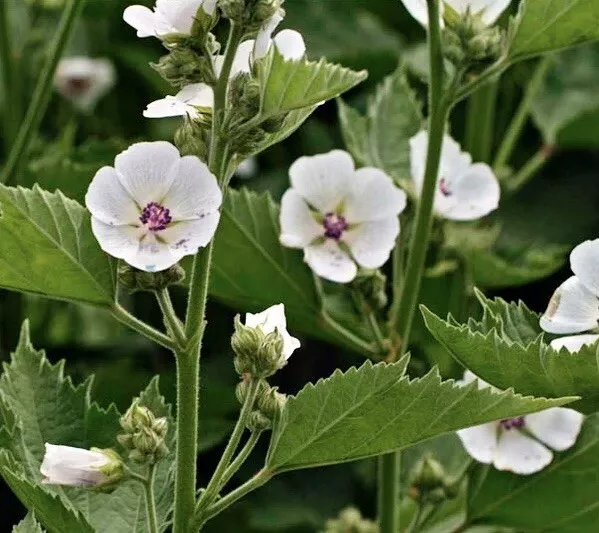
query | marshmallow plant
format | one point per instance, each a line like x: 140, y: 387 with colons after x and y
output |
x: 401, y: 214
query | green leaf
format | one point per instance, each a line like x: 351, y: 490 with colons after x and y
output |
x: 290, y: 85
x: 380, y: 138
x: 28, y: 525
x: 536, y: 503
x: 568, y: 93
x: 374, y: 410
x: 47, y: 247
x: 268, y: 273
x: 543, y: 26
x: 507, y: 349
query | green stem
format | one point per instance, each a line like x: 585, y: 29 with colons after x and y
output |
x: 215, y: 482
x: 376, y: 331
x: 42, y: 93
x: 502, y: 64
x: 171, y: 320
x: 514, y: 131
x: 9, y: 73
x: 480, y: 122
x: 123, y: 316
x: 529, y: 170
x: 188, y: 362
x: 151, y: 502
x: 415, y: 520
x: 242, y: 456
x: 388, y: 492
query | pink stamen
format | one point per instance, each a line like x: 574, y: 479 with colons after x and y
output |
x: 334, y: 226
x: 155, y: 216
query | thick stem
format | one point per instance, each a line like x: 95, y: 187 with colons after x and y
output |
x: 529, y: 170
x: 388, y: 492
x: 123, y: 316
x: 151, y: 502
x: 514, y: 131
x: 43, y: 92
x: 480, y: 122
x: 171, y: 320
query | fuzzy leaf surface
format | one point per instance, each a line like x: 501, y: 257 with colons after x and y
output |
x: 28, y: 525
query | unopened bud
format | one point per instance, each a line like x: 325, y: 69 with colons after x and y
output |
x: 350, y: 521
x: 428, y: 481
x: 183, y: 66
x: 371, y: 285
x: 190, y: 138
x: 250, y: 14
x: 244, y: 95
x: 271, y: 403
x: 274, y: 124
x: 257, y: 421
x: 139, y: 280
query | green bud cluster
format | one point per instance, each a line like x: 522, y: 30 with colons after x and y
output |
x: 138, y: 280
x: 257, y: 354
x: 184, y: 66
x: 190, y: 138
x: 429, y: 482
x: 268, y: 405
x: 250, y: 14
x: 350, y: 521
x: 144, y: 434
x: 371, y: 285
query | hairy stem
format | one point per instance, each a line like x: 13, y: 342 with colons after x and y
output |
x: 42, y: 93
x: 169, y: 315
x: 150, y: 501
x: 242, y: 456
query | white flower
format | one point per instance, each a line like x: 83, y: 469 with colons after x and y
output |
x: 65, y: 465
x: 269, y: 320
x: 574, y: 307
x: 489, y: 10
x: 522, y: 445
x: 84, y: 80
x: 247, y: 169
x: 198, y: 98
x: 340, y: 216
x: 154, y: 207
x: 465, y: 191
x: 169, y: 16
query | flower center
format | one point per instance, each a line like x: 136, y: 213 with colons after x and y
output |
x: 77, y: 85
x: 444, y: 187
x: 155, y: 216
x: 513, y: 423
x: 334, y: 226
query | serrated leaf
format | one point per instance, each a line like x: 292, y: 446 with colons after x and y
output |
x: 536, y: 503
x: 47, y: 247
x: 567, y: 94
x: 252, y: 271
x: 290, y: 85
x: 28, y: 525
x: 373, y: 410
x: 506, y: 348
x: 543, y: 26
x: 380, y: 138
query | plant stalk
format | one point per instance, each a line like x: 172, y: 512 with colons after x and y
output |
x: 171, y: 320
x: 481, y: 121
x: 151, y: 501
x: 9, y: 73
x: 126, y: 318
x: 534, y: 165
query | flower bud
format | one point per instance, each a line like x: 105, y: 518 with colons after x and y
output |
x: 350, y: 521
x: 190, y: 138
x: 250, y: 14
x: 371, y: 285
x: 139, y: 280
x: 271, y: 403
x: 428, y: 481
x: 183, y: 66
x: 244, y: 95
x: 257, y: 421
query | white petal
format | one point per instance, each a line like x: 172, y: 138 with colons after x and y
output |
x: 147, y: 170
x: 371, y: 243
x: 241, y: 61
x: 520, y: 454
x: 65, y: 465
x: 298, y: 226
x: 169, y: 106
x: 153, y: 255
x: 328, y: 261
x: 209, y: 6
x: 584, y: 261
x: 475, y: 194
x: 178, y: 14
x: 480, y: 441
x: 323, y: 180
x: 290, y: 45
x: 575, y: 343
x: 262, y: 44
x: 118, y: 241
x: 185, y: 238
x: 198, y: 95
x: 373, y: 196
x: 469, y: 377
x: 109, y: 201
x: 271, y: 319
x: 572, y: 309
x: 142, y: 19
x: 247, y: 169
x: 490, y: 10
x: 417, y: 8
x: 557, y: 427
x: 194, y: 192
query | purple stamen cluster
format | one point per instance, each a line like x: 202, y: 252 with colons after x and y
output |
x: 77, y: 85
x: 155, y: 216
x: 444, y: 187
x: 334, y: 226
x: 513, y: 423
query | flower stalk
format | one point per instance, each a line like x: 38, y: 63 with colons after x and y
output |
x: 151, y: 501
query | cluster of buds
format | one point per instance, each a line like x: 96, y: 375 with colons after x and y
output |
x: 139, y: 280
x: 371, y: 286
x: 252, y: 15
x: 268, y: 405
x: 350, y: 521
x: 145, y: 434
x: 429, y: 482
x: 469, y: 41
x: 186, y: 66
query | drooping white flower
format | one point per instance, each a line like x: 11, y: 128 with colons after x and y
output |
x: 574, y: 307
x: 269, y: 320
x: 465, y: 191
x: 192, y: 101
x: 522, y: 445
x: 340, y: 216
x: 154, y: 207
x: 84, y: 81
x: 169, y: 16
x: 77, y: 467
x: 489, y: 10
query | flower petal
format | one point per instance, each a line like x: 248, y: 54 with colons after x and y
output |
x: 152, y: 255
x: 328, y: 261
x: 263, y: 39
x: 65, y: 465
x: 109, y: 201
x: 371, y: 243
x: 520, y: 454
x: 147, y: 170
x: 179, y: 15
x: 290, y: 45
x: 323, y: 180
x: 575, y: 343
x: 271, y: 319
x: 480, y: 441
x: 118, y: 241
x: 373, y: 196
x: 298, y: 226
x: 418, y: 9
x: 185, y: 238
x: 194, y: 193
x: 170, y: 106
x: 198, y: 95
x: 584, y: 261
x: 572, y: 309
x: 241, y: 61
x: 142, y: 19
x: 557, y: 427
